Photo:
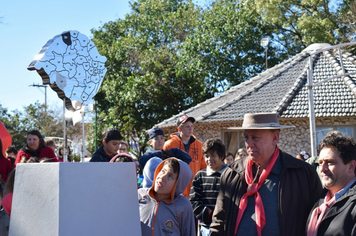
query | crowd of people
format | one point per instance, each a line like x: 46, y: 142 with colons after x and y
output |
x: 193, y: 188
x: 188, y: 187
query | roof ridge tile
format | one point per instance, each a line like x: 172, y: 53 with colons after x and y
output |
x: 337, y: 66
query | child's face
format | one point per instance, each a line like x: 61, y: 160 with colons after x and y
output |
x: 12, y: 154
x: 164, y: 183
x: 213, y: 160
x: 111, y: 147
x: 157, y: 142
x: 186, y: 129
x: 228, y: 160
x: 122, y: 148
x: 241, y: 154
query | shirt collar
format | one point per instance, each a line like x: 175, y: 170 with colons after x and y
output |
x: 209, y: 171
x: 344, y: 190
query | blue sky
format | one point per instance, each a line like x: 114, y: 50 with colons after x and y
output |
x: 27, y: 25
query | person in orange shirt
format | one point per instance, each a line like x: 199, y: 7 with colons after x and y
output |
x: 186, y: 141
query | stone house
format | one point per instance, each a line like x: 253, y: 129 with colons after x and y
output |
x: 283, y: 90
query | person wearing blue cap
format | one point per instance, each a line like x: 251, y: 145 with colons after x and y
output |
x: 156, y: 136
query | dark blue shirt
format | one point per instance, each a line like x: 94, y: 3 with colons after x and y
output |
x: 269, y: 195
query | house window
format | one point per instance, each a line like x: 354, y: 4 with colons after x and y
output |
x: 233, y: 140
x: 322, y: 131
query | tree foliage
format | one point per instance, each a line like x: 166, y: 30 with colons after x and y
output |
x: 347, y: 20
x: 14, y: 126
x: 300, y: 23
x: 142, y: 85
x: 225, y: 49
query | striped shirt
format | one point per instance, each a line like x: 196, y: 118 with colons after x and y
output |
x: 204, y: 192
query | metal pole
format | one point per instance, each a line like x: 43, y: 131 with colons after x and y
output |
x: 45, y: 100
x: 266, y: 58
x: 83, y: 143
x: 311, y: 108
x: 65, y: 158
x: 44, y: 86
x: 341, y: 63
x: 96, y: 127
x: 313, y: 143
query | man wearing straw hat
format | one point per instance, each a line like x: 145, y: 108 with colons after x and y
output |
x: 272, y: 194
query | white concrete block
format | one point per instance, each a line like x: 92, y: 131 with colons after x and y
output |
x: 65, y: 199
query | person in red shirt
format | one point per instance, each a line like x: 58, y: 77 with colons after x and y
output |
x: 35, y: 147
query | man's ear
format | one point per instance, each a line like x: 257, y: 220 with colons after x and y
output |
x: 103, y: 142
x: 352, y: 166
x: 178, y: 128
x: 275, y: 137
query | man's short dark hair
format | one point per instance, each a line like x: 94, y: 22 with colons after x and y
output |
x: 344, y: 145
x: 214, y: 145
x: 11, y: 149
x: 111, y: 134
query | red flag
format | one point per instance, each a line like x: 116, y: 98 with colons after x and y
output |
x: 5, y: 137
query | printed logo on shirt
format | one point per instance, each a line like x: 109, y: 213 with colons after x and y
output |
x: 169, y: 226
x: 195, y: 156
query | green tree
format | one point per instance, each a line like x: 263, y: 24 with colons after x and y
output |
x: 347, y: 20
x: 34, y: 116
x: 13, y: 124
x: 225, y: 50
x: 142, y: 85
x: 300, y: 23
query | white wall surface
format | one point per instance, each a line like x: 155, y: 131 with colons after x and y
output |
x: 64, y: 199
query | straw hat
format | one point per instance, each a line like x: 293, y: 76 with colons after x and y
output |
x: 261, y: 121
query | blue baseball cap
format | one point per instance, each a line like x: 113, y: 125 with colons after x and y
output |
x: 155, y: 132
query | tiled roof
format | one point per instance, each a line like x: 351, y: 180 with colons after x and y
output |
x: 283, y: 89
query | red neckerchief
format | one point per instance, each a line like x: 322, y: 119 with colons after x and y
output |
x: 253, y: 190
x: 319, y: 212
